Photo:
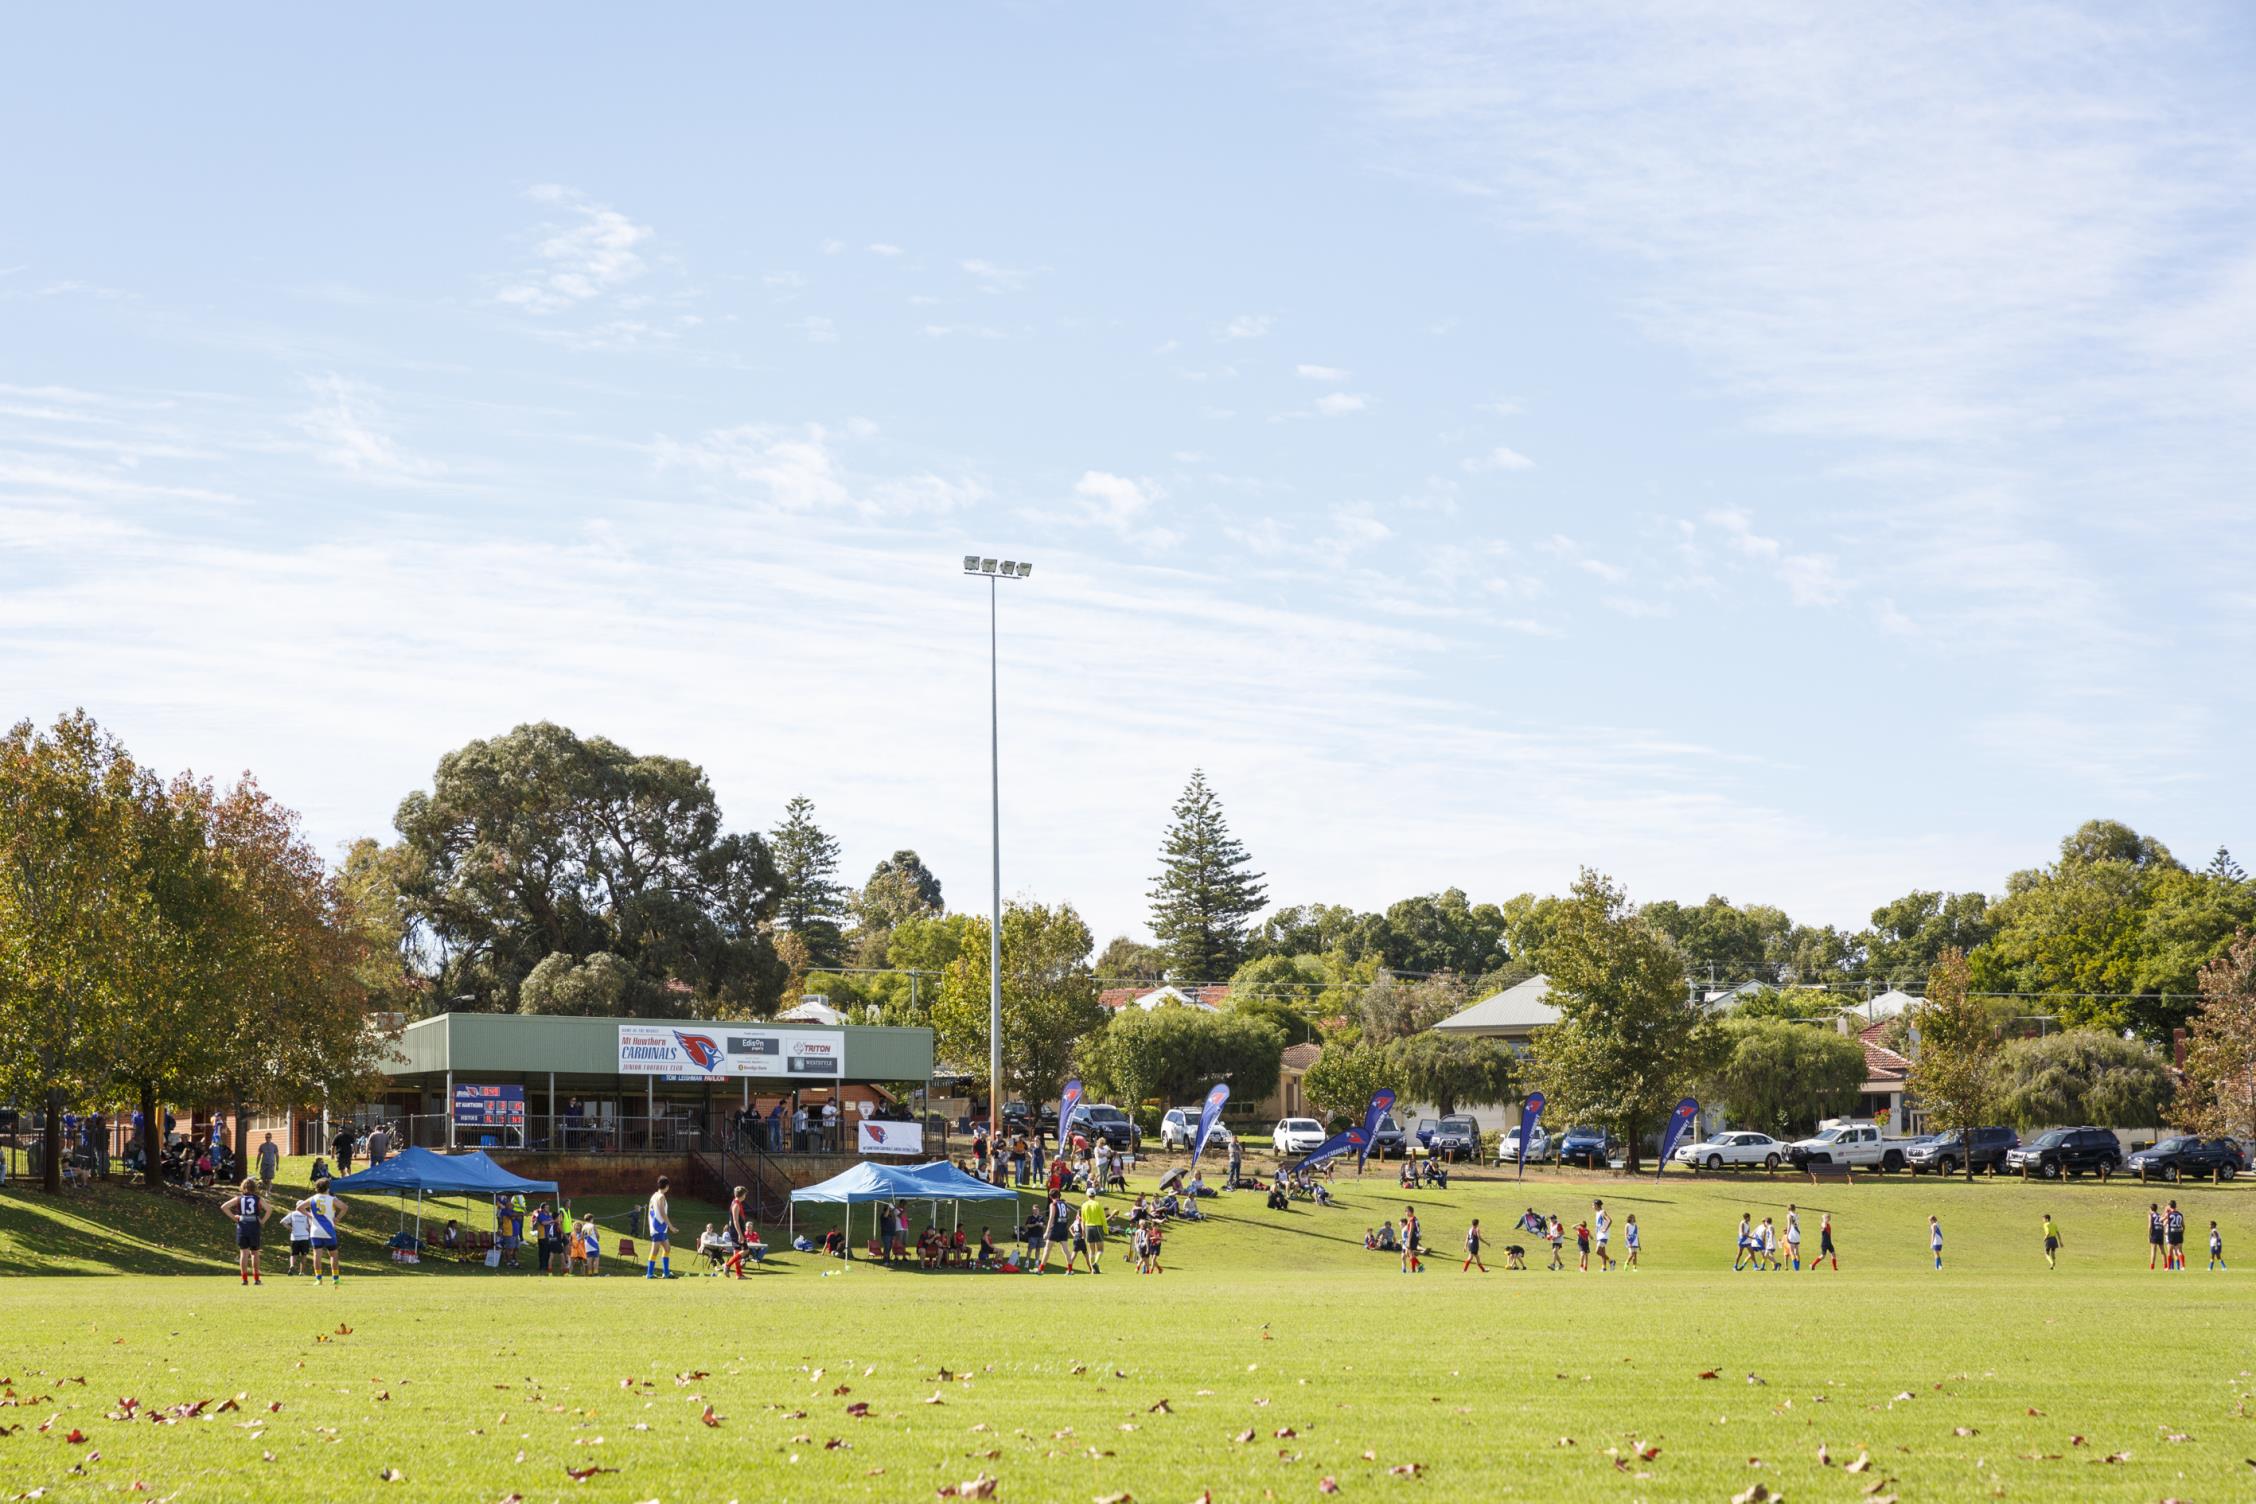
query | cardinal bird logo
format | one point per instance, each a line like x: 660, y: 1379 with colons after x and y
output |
x: 702, y: 1048
x: 877, y: 1134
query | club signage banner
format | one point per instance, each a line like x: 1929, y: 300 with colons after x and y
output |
x: 1213, y: 1110
x: 1679, y: 1120
x: 814, y: 1056
x: 1068, y: 1101
x: 1382, y: 1103
x: 874, y: 1137
x: 1530, y: 1110
x: 1333, y: 1148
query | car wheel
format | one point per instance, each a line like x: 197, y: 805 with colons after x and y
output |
x: 1715, y: 1161
x: 1770, y: 1162
x: 2225, y: 1171
x: 2052, y: 1169
x: 1892, y: 1161
x: 2170, y: 1173
x: 1948, y: 1167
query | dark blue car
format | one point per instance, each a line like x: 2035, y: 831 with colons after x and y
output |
x: 1589, y: 1147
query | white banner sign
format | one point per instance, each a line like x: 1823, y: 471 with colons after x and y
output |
x: 810, y: 1055
x: 874, y: 1137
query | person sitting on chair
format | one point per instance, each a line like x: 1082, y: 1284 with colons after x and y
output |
x: 986, y: 1249
x: 715, y: 1246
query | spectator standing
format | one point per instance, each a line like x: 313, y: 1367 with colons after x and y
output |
x: 379, y: 1145
x: 269, y: 1161
x: 775, y: 1128
x: 342, y: 1147
x: 979, y: 1148
x: 799, y: 1128
x: 830, y: 1125
x: 1237, y: 1161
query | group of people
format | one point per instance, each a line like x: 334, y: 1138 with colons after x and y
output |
x: 312, y: 1225
x: 1763, y: 1248
x: 1593, y: 1235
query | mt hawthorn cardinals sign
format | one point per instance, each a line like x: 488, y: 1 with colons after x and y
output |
x: 811, y: 1055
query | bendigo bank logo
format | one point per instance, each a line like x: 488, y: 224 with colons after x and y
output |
x: 700, y: 1048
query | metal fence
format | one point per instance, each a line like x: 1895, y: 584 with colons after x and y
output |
x: 666, y: 1133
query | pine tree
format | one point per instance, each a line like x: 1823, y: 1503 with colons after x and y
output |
x: 812, y: 900
x: 2223, y: 868
x: 1207, y: 893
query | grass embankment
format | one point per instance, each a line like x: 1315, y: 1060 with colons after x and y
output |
x: 1283, y: 1351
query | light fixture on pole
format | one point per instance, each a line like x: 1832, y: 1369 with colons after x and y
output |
x: 993, y: 570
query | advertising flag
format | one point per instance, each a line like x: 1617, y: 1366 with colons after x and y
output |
x: 1382, y: 1103
x: 1214, y: 1101
x: 1333, y: 1148
x: 1067, y: 1103
x: 1679, y: 1120
x: 1530, y: 1110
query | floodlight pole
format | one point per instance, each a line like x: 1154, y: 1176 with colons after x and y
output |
x: 995, y: 928
x: 1007, y: 569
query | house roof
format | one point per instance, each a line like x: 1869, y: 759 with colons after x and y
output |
x: 1299, y: 1057
x: 1515, y: 1010
x: 1203, y: 995
x: 1890, y: 1003
x: 1882, y: 1063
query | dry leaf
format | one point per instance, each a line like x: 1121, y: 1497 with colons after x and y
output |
x: 710, y: 1418
x: 1327, y: 1486
x: 1964, y: 1431
x: 1245, y: 1436
x: 1863, y: 1463
x: 1160, y: 1408
x: 1709, y: 1373
x: 1755, y: 1494
x: 392, y: 1475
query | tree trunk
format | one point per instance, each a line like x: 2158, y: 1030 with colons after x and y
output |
x: 152, y: 1131
x: 242, y: 1138
x: 1635, y: 1136
x: 51, y: 1162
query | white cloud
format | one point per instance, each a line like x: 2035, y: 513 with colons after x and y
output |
x: 580, y: 259
x: 1248, y: 326
x: 962, y: 331
x: 994, y: 278
x: 881, y: 248
x: 1122, y: 504
x: 785, y: 470
x: 817, y: 329
x: 1319, y: 373
x: 1499, y: 458
x: 345, y: 428
x: 1340, y: 404
x: 1811, y: 579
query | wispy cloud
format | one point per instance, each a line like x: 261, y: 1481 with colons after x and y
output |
x: 1247, y: 326
x: 1341, y: 404
x: 593, y: 252
x: 1499, y: 458
x: 346, y: 428
x: 1319, y: 373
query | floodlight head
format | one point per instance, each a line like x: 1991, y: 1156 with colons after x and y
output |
x: 1010, y: 569
x: 1024, y: 569
x: 971, y: 563
x: 986, y: 566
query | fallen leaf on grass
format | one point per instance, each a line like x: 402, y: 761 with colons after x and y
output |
x: 2078, y: 1441
x: 1964, y: 1431
x: 1408, y: 1469
x: 710, y: 1418
x: 392, y: 1475
x: 934, y: 1398
x: 1709, y: 1373
x: 1245, y: 1436
x: 2033, y: 1410
x: 2116, y: 1457
x: 1326, y: 1486
x: 1863, y: 1463
x: 76, y: 1437
x: 842, y: 1389
x: 1160, y: 1408
x: 1283, y: 1433
x: 582, y: 1474
x: 859, y: 1409
x: 1755, y: 1494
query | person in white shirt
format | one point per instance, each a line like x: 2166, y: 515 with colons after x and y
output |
x: 301, y: 1236
x: 323, y: 1211
x: 1603, y: 1226
x: 830, y: 1125
x: 1793, y: 1235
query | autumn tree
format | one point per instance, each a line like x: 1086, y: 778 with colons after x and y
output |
x: 1049, y: 998
x: 2218, y: 1094
x: 1340, y: 1081
x: 69, y: 901
x: 1629, y: 1041
x: 1206, y: 889
x: 1954, y: 1067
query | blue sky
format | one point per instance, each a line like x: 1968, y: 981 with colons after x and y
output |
x: 1797, y: 453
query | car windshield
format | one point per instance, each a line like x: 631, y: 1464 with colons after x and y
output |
x: 1104, y: 1115
x: 1387, y: 1124
x: 1462, y: 1124
x: 1301, y: 1125
x: 2054, y: 1139
x: 2176, y: 1145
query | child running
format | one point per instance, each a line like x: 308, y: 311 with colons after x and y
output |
x: 1935, y: 1238
x: 249, y: 1210
x: 323, y: 1213
x: 1745, y: 1257
x: 1410, y: 1262
x: 1582, y: 1247
x: 1629, y: 1236
x: 1794, y: 1235
x: 660, y: 1263
x: 2051, y: 1241
x: 1825, y: 1251
x: 2216, y: 1249
x: 1555, y: 1233
x: 1472, y: 1249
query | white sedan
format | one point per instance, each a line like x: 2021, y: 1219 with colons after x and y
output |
x: 1735, y: 1149
x: 1180, y: 1127
x: 1299, y: 1136
x: 1538, y: 1146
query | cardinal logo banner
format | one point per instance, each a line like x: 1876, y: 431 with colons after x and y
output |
x: 1679, y: 1120
x: 1070, y: 1100
x: 1214, y: 1101
x: 1333, y: 1148
x: 1382, y: 1103
x: 1530, y: 1110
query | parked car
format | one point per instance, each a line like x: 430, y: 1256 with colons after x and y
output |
x: 1859, y: 1145
x: 1538, y: 1146
x: 1103, y: 1120
x: 1389, y: 1141
x: 1427, y: 1127
x: 1457, y: 1136
x: 1949, y: 1153
x: 1737, y: 1149
x: 1179, y: 1129
x: 1589, y: 1147
x: 2181, y: 1158
x: 2068, y: 1151
x: 1298, y: 1136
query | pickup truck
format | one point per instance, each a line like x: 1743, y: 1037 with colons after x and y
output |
x: 1859, y: 1145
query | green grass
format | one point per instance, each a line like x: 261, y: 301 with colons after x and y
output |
x: 475, y: 1386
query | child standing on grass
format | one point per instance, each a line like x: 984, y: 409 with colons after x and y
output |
x: 1629, y: 1235
x: 1825, y: 1244
x: 249, y: 1210
x: 1472, y: 1249
x: 2153, y: 1235
x: 1582, y: 1247
x: 1794, y: 1235
x: 1411, y: 1238
x: 1556, y: 1234
x: 2052, y: 1241
x: 1745, y: 1254
x: 1935, y: 1238
x: 1605, y: 1230
x: 2216, y: 1249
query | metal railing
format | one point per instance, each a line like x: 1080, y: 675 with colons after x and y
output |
x: 667, y: 1133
